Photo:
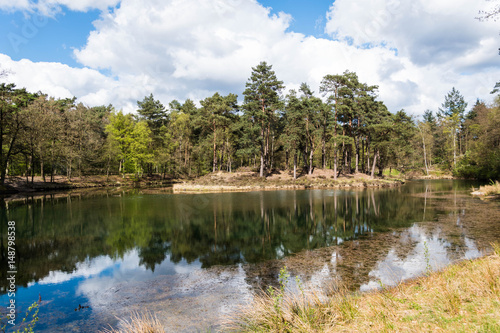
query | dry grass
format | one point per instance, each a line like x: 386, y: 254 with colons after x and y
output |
x: 138, y: 323
x: 464, y: 297
x: 280, y: 180
x: 493, y: 189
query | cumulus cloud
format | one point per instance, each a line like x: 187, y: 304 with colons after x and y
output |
x: 426, y: 31
x: 61, y: 81
x: 416, y: 52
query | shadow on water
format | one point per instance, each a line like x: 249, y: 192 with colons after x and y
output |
x: 177, y: 254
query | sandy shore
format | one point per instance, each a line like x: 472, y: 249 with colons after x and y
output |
x: 283, y: 180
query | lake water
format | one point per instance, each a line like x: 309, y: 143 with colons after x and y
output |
x: 194, y: 258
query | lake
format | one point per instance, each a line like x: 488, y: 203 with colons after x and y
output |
x: 94, y: 256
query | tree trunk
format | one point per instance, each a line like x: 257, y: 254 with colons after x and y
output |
x: 425, y: 153
x: 357, y: 161
x: 454, y: 149
x: 335, y: 161
x: 357, y: 154
x: 363, y: 167
x: 261, y: 173
x: 367, y: 155
x: 349, y: 153
x: 311, y: 157
x: 295, y: 166
x: 69, y: 171
x: 5, y: 165
x: 28, y: 166
x: 323, y: 152
x: 41, y: 168
x: 32, y: 169
x: 107, y: 168
x: 349, y: 158
x: 271, y: 155
x: 374, y: 163
x: 262, y: 148
x: 287, y: 159
x: 268, y: 149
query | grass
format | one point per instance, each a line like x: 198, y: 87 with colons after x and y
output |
x: 465, y: 297
x: 138, y: 323
x: 392, y: 173
x: 241, y: 182
x: 492, y: 189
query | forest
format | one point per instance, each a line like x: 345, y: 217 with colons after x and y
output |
x: 342, y: 127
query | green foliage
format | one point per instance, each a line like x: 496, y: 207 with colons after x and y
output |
x: 153, y: 112
x: 350, y: 132
x: 140, y: 147
x: 30, y: 324
x: 428, y: 267
x: 454, y: 106
x: 482, y: 158
x: 119, y: 130
x: 262, y: 101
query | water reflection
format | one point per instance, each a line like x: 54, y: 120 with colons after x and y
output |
x: 175, y: 254
x: 58, y: 234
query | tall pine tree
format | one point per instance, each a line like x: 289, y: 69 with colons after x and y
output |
x: 262, y: 101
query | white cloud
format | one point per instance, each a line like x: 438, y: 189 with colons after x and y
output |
x: 442, y: 43
x: 14, y: 5
x: 192, y: 48
x: 52, y: 7
x: 426, y: 31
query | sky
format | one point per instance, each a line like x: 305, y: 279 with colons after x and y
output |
x: 117, y: 52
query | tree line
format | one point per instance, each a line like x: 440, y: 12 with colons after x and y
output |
x: 343, y: 127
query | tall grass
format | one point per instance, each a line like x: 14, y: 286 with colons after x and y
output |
x: 464, y: 297
x: 492, y: 189
x: 138, y: 323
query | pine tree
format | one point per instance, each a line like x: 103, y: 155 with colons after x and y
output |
x: 262, y: 101
x: 452, y: 113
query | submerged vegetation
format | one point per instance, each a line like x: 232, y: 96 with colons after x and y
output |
x: 344, y: 128
x: 463, y: 297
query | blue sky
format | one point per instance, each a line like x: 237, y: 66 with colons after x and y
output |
x: 41, y: 38
x: 309, y: 17
x: 118, y: 51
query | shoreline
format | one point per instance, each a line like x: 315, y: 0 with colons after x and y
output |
x: 17, y: 186
x: 247, y: 181
x: 213, y: 182
x: 242, y: 181
x: 462, y: 296
x: 202, y: 188
x: 488, y: 192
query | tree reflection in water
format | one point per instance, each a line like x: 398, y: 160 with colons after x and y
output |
x: 216, y: 245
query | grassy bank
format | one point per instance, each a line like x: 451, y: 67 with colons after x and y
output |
x: 213, y: 182
x: 488, y: 191
x: 464, y: 297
